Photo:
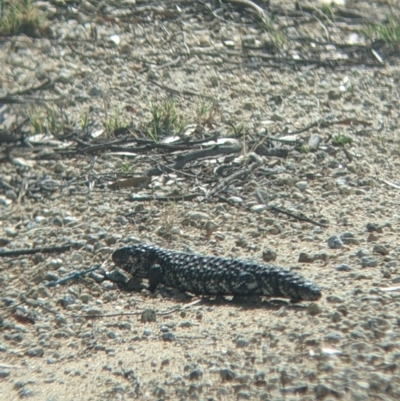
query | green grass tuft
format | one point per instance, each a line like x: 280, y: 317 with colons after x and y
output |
x: 341, y: 140
x: 166, y: 120
x: 19, y: 16
x: 114, y: 122
x: 126, y: 167
x: 237, y: 130
x: 303, y: 149
x: 329, y: 10
x: 49, y: 123
x: 278, y: 37
x: 389, y: 32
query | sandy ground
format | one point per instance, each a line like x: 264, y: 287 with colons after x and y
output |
x: 116, y: 62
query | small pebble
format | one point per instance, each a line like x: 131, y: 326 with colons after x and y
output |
x: 314, y: 309
x: 196, y: 374
x: 198, y: 216
x: 241, y: 241
x: 25, y: 392
x: 119, y: 389
x: 361, y: 253
x: 269, y: 255
x: 7, y: 202
x: 77, y: 257
x: 60, y: 319
x: 321, y: 256
x: 392, y: 263
x: 68, y: 300
x: 93, y: 311
x: 349, y: 239
x: 381, y: 249
x: 69, y: 220
x: 343, y: 268
x: 36, y: 351
x: 336, y: 317
x: 124, y: 325
x: 50, y: 276
x: 369, y: 262
x: 334, y: 242
x: 95, y: 91
x: 168, y: 336
x: 112, y: 335
x: 222, y: 392
x: 159, y: 392
x: 85, y: 298
x: 113, y: 239
x: 242, y: 343
x: 56, y: 263
x: 4, y: 241
x: 4, y: 373
x: 15, y: 337
x: 122, y: 220
x: 314, y: 141
x: 243, y: 395
x: 235, y: 199
x: 371, y: 227
x: 59, y: 168
x: 108, y: 285
x: 302, y: 185
x: 372, y: 237
x: 11, y: 232
x: 305, y: 258
x: 258, y: 208
x: 148, y: 315
x: 227, y: 374
x: 334, y: 299
x: 333, y: 337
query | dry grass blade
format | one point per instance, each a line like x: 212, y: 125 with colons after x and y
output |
x: 136, y: 182
x: 248, y: 3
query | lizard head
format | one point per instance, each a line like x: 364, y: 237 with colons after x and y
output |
x: 134, y: 259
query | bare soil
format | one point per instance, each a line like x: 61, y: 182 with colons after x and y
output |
x: 298, y: 76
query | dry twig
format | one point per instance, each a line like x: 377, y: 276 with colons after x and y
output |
x: 19, y: 252
x: 297, y: 216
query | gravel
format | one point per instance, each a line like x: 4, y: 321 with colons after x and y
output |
x: 170, y: 345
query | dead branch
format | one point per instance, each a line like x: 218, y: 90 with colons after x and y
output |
x: 19, y: 252
x: 234, y: 176
x: 298, y: 217
x: 163, y: 198
x: 213, y: 151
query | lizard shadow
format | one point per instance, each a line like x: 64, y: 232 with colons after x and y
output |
x: 246, y: 303
x: 252, y: 303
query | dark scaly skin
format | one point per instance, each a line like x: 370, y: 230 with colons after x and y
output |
x: 211, y: 275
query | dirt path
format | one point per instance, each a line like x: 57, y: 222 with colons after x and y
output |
x: 138, y: 75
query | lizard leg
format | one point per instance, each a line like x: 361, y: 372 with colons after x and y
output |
x: 295, y: 299
x: 155, y: 275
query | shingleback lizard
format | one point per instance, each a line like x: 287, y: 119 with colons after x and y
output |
x: 211, y: 275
